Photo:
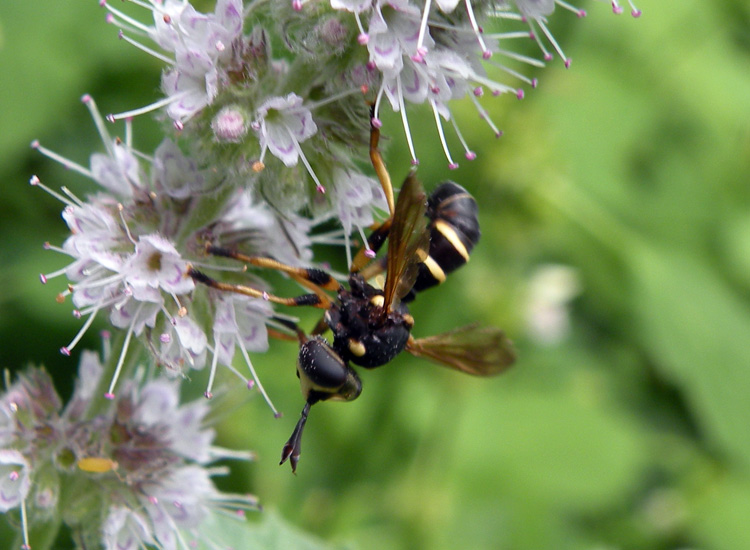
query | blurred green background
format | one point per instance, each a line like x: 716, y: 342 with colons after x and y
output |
x: 630, y: 430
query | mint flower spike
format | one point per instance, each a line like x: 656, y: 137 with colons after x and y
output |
x: 124, y: 260
x: 200, y: 51
x: 159, y: 489
x: 437, y: 73
x: 169, y: 490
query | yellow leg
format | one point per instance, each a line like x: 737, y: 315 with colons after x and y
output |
x: 321, y: 301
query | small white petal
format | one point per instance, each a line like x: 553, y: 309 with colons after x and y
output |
x: 14, y: 479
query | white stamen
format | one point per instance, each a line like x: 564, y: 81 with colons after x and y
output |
x: 144, y: 48
x: 36, y: 182
x: 451, y: 163
x: 554, y: 43
x: 363, y: 36
x: 24, y: 526
x: 124, y: 18
x: 376, y: 109
x: 502, y: 14
x: 485, y: 116
x: 44, y: 277
x: 332, y: 99
x: 148, y: 108
x: 69, y: 164
x: 369, y: 252
x: 120, y: 209
x: 81, y: 332
x: 129, y: 135
x: 418, y: 57
x: 72, y: 196
x: 405, y: 121
x: 348, y: 249
x: 634, y: 11
x: 496, y: 87
x: 486, y: 53
x: 212, y: 374
x: 547, y: 56
x: 151, y: 6
x: 510, y: 35
x: 110, y: 392
x: 99, y: 282
x: 221, y: 452
x: 522, y: 58
x: 514, y: 73
x: 470, y: 155
x: 101, y: 127
x: 318, y: 185
x: 578, y: 11
x: 255, y: 376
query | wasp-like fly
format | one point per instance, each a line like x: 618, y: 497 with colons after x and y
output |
x: 427, y: 238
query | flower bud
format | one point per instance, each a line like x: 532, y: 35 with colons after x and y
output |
x: 230, y: 124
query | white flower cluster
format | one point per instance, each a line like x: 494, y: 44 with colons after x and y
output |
x: 144, y: 460
x: 262, y: 147
x: 410, y: 51
x: 130, y: 248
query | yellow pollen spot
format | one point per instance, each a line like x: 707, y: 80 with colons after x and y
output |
x: 258, y: 166
x: 97, y: 465
x: 449, y: 233
x: 377, y: 300
x: 357, y: 348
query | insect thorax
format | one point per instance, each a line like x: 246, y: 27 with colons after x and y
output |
x: 363, y: 333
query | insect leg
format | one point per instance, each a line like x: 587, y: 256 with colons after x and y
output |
x: 321, y: 301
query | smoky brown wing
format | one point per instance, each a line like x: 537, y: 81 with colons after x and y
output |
x: 481, y: 351
x: 408, y: 241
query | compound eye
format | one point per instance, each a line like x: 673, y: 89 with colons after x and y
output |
x: 321, y: 366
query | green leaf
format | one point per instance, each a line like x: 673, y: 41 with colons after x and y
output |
x: 720, y: 515
x: 697, y: 332
x: 221, y: 530
x: 552, y: 447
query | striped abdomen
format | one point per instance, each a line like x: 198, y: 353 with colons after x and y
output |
x: 454, y: 230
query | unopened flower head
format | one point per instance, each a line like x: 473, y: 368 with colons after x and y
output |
x: 145, y: 458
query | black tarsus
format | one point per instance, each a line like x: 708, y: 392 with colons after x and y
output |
x: 293, y: 447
